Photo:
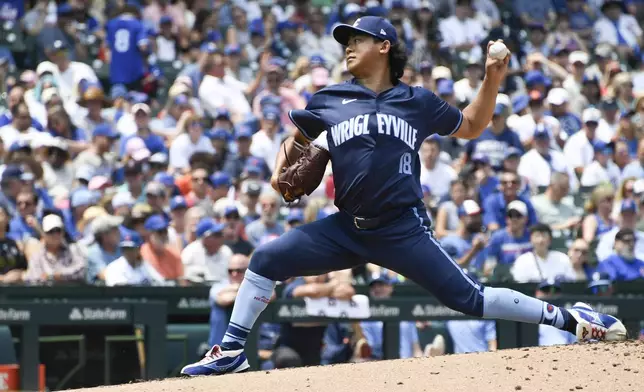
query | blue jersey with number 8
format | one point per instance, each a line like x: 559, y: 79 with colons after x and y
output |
x: 125, y: 35
x: 374, y: 141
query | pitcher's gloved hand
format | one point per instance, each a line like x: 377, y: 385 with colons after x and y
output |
x: 305, y: 175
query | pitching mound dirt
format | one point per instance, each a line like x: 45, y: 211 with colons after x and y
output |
x: 600, y: 367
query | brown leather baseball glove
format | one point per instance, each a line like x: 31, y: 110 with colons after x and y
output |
x: 305, y: 175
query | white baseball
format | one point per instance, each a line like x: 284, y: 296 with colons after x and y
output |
x: 498, y: 50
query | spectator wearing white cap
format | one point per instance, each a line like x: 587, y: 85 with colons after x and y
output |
x: 206, y: 259
x: 618, y: 28
x: 578, y: 60
x: 105, y: 248
x: 558, y: 100
x: 122, y: 203
x: 538, y: 164
x: 636, y: 168
x: 602, y: 169
x: 579, y: 150
x: 58, y: 260
x: 542, y: 263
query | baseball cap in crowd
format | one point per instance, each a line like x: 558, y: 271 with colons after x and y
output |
x: 231, y: 212
x: 253, y: 168
x: 628, y: 205
x: 181, y: 99
x: 135, y: 147
x: 374, y: 26
x: 164, y: 178
x: 441, y: 72
x: 533, y: 78
x: 480, y: 158
x: 499, y: 109
x: 104, y: 223
x: 578, y: 56
x: 220, y: 179
x: 558, y: 96
x: 295, y: 215
x: 380, y: 278
x: 131, y: 240
x: 57, y: 45
x: 105, y: 130
x: 271, y: 113
x: 51, y: 222
x: 232, y: 49
x: 165, y: 19
x: 155, y: 189
x: 178, y: 202
x: 251, y: 188
x: 160, y: 158
x: 209, y: 47
x: 118, y: 91
x: 270, y: 100
x: 550, y: 285
x: 600, y: 283
x: 518, y: 206
x: 316, y: 61
x: 256, y: 27
x: 445, y: 87
x: 141, y: 210
x: 243, y: 131
x: 541, y: 131
x: 520, y: 102
x: 207, y: 227
x: 625, y: 235
x: 141, y: 107
x: 218, y: 134
x: 591, y: 115
x: 425, y: 66
x: 603, y: 147
x: 122, y: 199
x: 98, y: 183
x: 604, y: 51
x: 469, y: 208
x: 156, y: 223
x: 82, y: 197
x: 19, y: 145
x: 512, y: 152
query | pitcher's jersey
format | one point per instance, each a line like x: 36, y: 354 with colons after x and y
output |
x: 374, y: 141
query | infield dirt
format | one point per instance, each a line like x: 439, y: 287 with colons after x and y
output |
x: 598, y: 367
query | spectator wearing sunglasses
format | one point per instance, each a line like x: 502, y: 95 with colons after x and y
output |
x: 222, y: 297
x: 495, y: 205
x: 548, y: 335
x: 233, y: 232
x: 158, y: 252
x: 506, y: 245
x: 627, y: 220
x: 578, y: 254
x: 207, y: 258
x: 58, y: 260
x: 623, y: 264
x: 25, y: 223
x: 542, y: 263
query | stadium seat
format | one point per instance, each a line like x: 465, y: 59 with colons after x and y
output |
x: 7, y: 350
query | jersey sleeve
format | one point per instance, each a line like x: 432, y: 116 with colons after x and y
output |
x: 442, y: 118
x: 309, y: 121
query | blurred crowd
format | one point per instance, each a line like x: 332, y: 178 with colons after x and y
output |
x: 137, y: 140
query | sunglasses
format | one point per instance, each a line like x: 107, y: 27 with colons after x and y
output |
x: 238, y: 270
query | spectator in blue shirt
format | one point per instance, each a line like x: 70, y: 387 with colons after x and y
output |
x: 484, y: 176
x: 558, y: 100
x: 495, y: 205
x: 153, y: 142
x: 530, y: 11
x: 25, y: 223
x: 105, y: 248
x: 467, y: 243
x: 495, y: 141
x: 622, y: 265
x: 381, y: 286
x: 127, y: 40
x: 507, y: 244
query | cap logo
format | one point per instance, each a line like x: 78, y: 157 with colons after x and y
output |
x: 355, y: 24
x: 382, y: 31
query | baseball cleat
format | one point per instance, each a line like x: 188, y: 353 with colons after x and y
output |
x: 595, y: 326
x: 218, y: 361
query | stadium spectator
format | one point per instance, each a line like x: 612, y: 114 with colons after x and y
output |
x: 635, y: 168
x: 13, y: 263
x: 623, y: 264
x: 495, y: 206
x: 579, y: 147
x: 598, y: 219
x: 186, y: 144
x: 381, y: 287
x: 130, y: 268
x: 447, y: 218
x: 627, y: 220
x: 158, y: 252
x: 59, y: 260
x: 602, y: 169
x: 206, y: 258
x: 553, y: 208
x: 542, y: 263
x: 267, y: 224
x: 433, y: 170
x: 19, y: 127
x: 505, y: 245
x: 467, y: 243
x: 579, y: 257
x: 105, y: 248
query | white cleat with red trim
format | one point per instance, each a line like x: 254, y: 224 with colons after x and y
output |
x: 594, y: 326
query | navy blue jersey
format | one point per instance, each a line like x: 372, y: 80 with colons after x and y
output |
x: 124, y: 36
x: 374, y: 140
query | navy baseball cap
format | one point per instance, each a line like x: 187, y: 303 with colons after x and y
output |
x: 165, y: 19
x: 12, y: 172
x: 271, y: 113
x: 603, y: 147
x: 220, y: 179
x: 155, y: 223
x: 178, y: 202
x: 231, y: 211
x: 207, y: 227
x: 536, y: 77
x: 316, y: 61
x: 243, y: 131
x: 105, y: 130
x: 541, y: 132
x: 131, y: 240
x: 380, y: 278
x: 222, y: 113
x: 253, y: 168
x: 628, y: 205
x: 218, y: 134
x: 374, y: 26
x: 520, y: 102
